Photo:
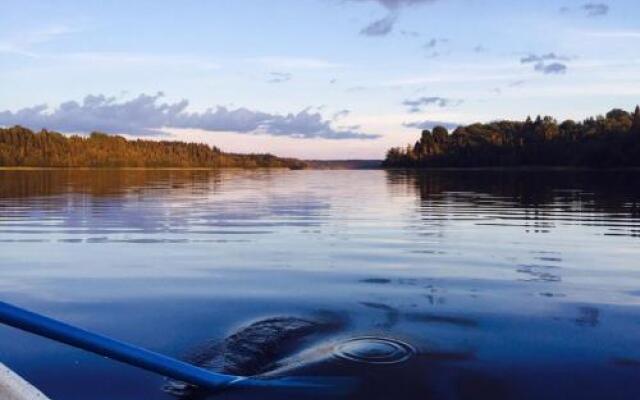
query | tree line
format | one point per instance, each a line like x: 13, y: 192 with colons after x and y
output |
x: 21, y: 147
x: 606, y: 141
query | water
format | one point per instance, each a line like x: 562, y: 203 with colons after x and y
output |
x: 508, y: 285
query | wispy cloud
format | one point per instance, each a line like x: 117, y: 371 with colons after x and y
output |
x: 417, y: 105
x: 413, y: 34
x: 279, y: 77
x: 395, y: 4
x: 384, y: 26
x: 380, y: 27
x: 614, y: 34
x: 498, y: 90
x: 147, y: 115
x: 548, y: 63
x: 340, y: 114
x: 434, y: 42
x: 596, y: 9
x: 589, y: 9
x: 552, y: 68
x: 532, y: 58
x: 113, y: 60
x: 24, y: 42
x: 480, y: 49
x: 292, y: 63
x: 429, y: 124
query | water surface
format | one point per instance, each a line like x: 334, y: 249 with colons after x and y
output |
x: 512, y: 285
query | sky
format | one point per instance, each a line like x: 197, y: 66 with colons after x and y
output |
x: 314, y: 79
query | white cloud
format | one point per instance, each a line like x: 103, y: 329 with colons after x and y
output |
x: 147, y: 115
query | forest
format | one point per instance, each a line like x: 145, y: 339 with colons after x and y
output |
x: 20, y: 147
x: 610, y: 141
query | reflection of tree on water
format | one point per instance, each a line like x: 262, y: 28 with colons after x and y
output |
x: 97, y: 202
x: 102, y: 203
x: 102, y: 182
x: 540, y: 198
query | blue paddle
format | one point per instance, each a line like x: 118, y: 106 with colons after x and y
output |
x: 129, y: 354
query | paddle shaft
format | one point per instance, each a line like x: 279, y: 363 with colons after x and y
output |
x: 117, y: 350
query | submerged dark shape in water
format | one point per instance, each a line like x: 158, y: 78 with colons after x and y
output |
x: 367, y: 366
x: 252, y: 350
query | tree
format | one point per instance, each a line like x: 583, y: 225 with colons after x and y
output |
x: 603, y: 141
x: 635, y: 125
x: 22, y: 147
x: 440, y: 134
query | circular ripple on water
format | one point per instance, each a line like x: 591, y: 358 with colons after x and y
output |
x: 374, y: 350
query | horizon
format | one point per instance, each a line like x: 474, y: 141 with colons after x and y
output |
x: 315, y: 79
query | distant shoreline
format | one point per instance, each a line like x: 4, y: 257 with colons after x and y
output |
x: 337, y: 168
x: 512, y: 168
x: 7, y: 168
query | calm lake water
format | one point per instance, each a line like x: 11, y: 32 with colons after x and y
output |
x: 509, y: 285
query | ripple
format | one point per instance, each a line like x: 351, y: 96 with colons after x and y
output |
x: 374, y: 350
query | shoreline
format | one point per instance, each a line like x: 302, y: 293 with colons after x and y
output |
x: 134, y: 168
x: 423, y: 169
x: 519, y: 168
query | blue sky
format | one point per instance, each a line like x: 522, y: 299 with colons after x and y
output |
x: 311, y: 78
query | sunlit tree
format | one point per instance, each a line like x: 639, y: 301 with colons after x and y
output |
x: 23, y: 148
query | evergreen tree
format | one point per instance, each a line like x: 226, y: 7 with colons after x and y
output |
x: 604, y: 141
x: 635, y: 126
